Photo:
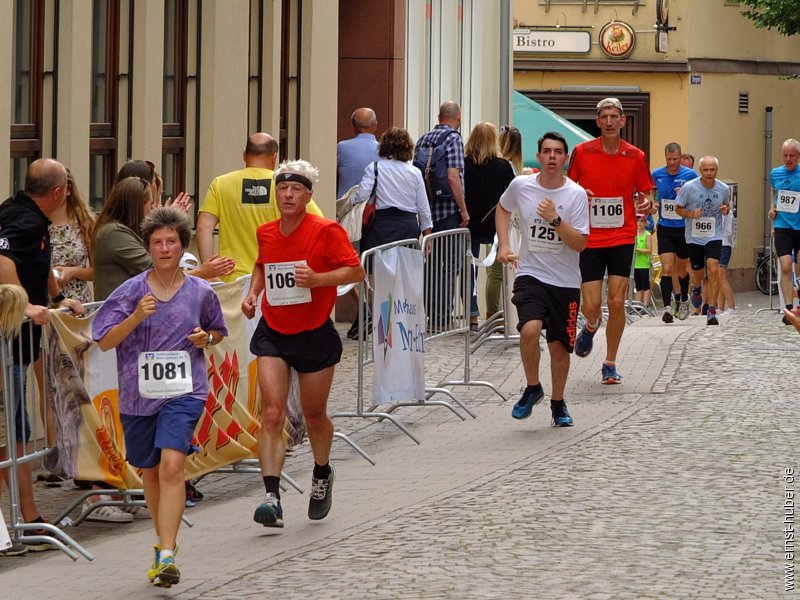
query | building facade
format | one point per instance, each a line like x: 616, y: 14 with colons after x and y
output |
x: 182, y: 83
x: 698, y: 73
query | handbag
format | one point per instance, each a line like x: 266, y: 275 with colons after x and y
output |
x: 370, y: 207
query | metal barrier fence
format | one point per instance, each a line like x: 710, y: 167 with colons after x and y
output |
x: 364, y: 352
x: 446, y: 294
x: 42, y: 447
x: 41, y: 444
x: 449, y: 258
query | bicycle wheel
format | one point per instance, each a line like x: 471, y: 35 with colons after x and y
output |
x: 764, y: 277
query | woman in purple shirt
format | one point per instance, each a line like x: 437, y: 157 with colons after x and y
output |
x: 160, y: 321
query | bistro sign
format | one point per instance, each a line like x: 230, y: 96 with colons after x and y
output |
x: 551, y: 41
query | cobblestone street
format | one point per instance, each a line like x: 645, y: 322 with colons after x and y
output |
x: 668, y: 486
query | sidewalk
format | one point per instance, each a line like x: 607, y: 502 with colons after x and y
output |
x: 667, y: 485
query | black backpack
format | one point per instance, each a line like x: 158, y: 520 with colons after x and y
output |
x: 433, y: 164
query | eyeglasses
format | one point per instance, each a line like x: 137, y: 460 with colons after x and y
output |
x: 505, y: 128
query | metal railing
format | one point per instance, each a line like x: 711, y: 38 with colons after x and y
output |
x: 40, y: 445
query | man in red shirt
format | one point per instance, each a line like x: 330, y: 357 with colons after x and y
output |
x: 618, y: 182
x: 301, y: 259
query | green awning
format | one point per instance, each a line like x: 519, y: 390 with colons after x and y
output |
x: 532, y: 119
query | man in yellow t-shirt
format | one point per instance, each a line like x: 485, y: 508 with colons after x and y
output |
x: 239, y: 202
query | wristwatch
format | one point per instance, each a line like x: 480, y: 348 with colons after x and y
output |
x: 57, y: 299
x: 555, y: 222
x: 210, y: 341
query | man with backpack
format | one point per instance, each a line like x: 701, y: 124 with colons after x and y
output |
x: 439, y: 154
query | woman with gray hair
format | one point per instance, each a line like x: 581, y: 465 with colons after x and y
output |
x: 160, y: 321
x: 301, y: 260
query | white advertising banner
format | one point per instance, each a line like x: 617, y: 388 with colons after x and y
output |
x: 5, y: 539
x: 398, y: 337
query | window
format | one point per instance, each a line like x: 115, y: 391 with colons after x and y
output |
x: 27, y: 85
x: 173, y: 146
x: 105, y: 91
x: 255, y: 84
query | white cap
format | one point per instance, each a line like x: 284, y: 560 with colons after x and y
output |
x: 609, y: 103
x: 189, y: 261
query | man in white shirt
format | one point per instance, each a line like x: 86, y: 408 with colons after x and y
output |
x: 554, y: 218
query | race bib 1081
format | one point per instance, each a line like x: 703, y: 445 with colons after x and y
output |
x: 166, y: 374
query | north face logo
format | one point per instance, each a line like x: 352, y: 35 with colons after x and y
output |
x: 255, y: 191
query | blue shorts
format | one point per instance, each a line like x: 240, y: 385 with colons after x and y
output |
x: 171, y: 427
x: 22, y: 425
x: 725, y: 257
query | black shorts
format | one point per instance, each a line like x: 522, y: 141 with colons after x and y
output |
x: 787, y: 240
x: 641, y: 279
x: 556, y: 307
x: 617, y: 260
x: 306, y: 352
x: 698, y: 253
x: 672, y: 240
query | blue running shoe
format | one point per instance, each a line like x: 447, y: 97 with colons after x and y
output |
x: 711, y: 316
x: 584, y: 342
x: 523, y: 408
x: 561, y: 416
x: 609, y: 375
x: 697, y: 297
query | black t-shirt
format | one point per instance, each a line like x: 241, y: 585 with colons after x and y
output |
x: 483, y: 186
x: 24, y: 238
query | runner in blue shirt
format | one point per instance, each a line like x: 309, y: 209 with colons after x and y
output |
x: 785, y: 214
x: 672, y: 250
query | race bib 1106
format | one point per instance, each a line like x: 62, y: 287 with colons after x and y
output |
x: 606, y: 213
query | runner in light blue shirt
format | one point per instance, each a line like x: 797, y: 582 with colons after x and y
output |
x: 703, y: 202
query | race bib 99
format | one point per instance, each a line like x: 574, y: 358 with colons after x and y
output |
x: 668, y: 209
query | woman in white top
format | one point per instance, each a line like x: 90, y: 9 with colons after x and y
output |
x: 402, y: 208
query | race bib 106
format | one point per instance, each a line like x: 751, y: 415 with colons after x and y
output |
x: 166, y: 374
x: 281, y: 284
